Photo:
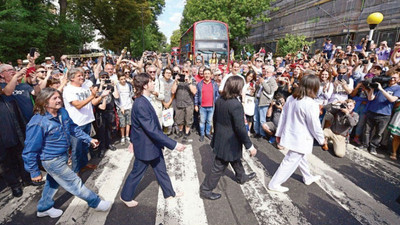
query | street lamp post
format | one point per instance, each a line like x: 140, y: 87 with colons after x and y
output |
x: 373, y: 20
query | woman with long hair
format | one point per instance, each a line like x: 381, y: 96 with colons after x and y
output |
x: 229, y: 135
x: 297, y: 128
x: 48, y: 138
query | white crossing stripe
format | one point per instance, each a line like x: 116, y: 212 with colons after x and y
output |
x: 374, y: 164
x: 13, y: 205
x: 360, y: 204
x: 188, y: 209
x: 268, y: 207
x: 106, y: 181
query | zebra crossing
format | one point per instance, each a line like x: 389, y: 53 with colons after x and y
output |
x: 357, y: 189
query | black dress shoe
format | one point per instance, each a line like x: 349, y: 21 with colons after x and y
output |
x: 250, y: 176
x: 209, y: 136
x: 33, y: 183
x: 16, y: 192
x: 112, y: 147
x: 213, y: 196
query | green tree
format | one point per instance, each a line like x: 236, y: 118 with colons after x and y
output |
x: 34, y: 23
x: 175, y: 38
x: 116, y: 19
x: 236, y: 13
x: 292, y: 43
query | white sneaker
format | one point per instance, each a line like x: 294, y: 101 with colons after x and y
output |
x: 103, y: 206
x: 281, y: 189
x: 52, y: 212
x: 312, y: 180
x: 123, y: 140
x: 128, y: 139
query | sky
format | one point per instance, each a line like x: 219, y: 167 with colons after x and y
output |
x: 171, y: 16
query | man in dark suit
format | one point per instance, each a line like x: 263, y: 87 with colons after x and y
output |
x: 147, y: 140
x: 230, y: 135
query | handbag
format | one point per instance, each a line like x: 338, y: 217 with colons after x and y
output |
x: 168, y: 117
x: 249, y: 105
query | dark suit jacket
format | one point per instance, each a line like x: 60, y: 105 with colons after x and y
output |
x: 230, y: 132
x: 146, y: 134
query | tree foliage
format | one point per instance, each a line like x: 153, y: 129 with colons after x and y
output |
x: 120, y: 21
x: 236, y: 13
x: 175, y: 38
x: 292, y: 43
x: 34, y: 23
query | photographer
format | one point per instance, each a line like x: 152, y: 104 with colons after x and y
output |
x: 343, y: 85
x: 105, y: 116
x: 184, y: 89
x: 379, y: 110
x: 343, y: 120
x: 274, y: 113
x: 383, y: 52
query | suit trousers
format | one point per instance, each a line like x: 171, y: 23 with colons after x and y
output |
x: 218, y: 169
x: 288, y: 165
x: 137, y: 173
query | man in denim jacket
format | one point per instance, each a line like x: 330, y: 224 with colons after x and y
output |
x: 48, y: 138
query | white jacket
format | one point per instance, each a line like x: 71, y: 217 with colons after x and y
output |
x: 299, y: 125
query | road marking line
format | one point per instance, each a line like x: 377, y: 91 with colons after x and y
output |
x: 359, y: 203
x: 188, y: 209
x: 106, y: 181
x: 374, y: 164
x: 13, y: 205
x: 268, y: 207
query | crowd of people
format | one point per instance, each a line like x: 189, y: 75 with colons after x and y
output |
x: 93, y: 98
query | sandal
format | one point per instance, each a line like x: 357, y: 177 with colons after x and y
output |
x: 393, y: 156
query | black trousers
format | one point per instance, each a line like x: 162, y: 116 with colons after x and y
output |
x: 13, y: 167
x: 218, y: 169
x: 378, y: 123
x: 104, y: 121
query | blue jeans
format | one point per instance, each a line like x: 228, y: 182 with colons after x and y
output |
x: 80, y: 150
x: 260, y: 117
x: 360, y: 110
x: 206, y: 115
x: 59, y: 174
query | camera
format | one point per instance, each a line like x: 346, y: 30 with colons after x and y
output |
x: 372, y: 60
x: 343, y: 106
x: 181, y: 78
x: 107, y: 81
x: 174, y: 75
x: 371, y: 83
x: 164, y: 54
x: 365, y: 61
x: 278, y: 102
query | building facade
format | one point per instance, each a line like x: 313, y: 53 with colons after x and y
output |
x: 344, y: 21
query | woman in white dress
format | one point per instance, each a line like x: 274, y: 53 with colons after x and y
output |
x: 297, y: 128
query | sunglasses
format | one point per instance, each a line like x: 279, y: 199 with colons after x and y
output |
x: 103, y: 77
x: 87, y: 71
x: 259, y: 61
x: 42, y: 71
x: 187, y: 71
x: 152, y: 71
x: 126, y: 72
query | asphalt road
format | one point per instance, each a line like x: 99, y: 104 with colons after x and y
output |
x: 357, y: 189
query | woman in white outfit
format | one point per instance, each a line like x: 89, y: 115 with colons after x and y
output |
x: 297, y: 128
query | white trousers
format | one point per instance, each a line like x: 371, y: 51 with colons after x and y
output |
x: 287, y: 167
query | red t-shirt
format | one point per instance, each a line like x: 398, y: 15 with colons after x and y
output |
x: 198, y: 78
x: 207, y: 95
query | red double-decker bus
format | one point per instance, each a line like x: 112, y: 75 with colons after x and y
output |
x: 205, y: 37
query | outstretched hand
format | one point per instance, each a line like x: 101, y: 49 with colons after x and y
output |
x: 180, y: 147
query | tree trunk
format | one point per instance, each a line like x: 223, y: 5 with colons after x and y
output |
x: 63, y: 7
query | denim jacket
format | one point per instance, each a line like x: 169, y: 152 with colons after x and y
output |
x: 197, y: 97
x: 48, y: 138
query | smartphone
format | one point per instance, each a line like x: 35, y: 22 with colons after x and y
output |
x: 339, y: 61
x: 32, y: 52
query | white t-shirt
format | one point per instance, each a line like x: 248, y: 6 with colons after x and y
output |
x: 81, y: 116
x: 125, y: 96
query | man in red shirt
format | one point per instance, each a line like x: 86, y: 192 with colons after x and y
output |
x: 204, y: 100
